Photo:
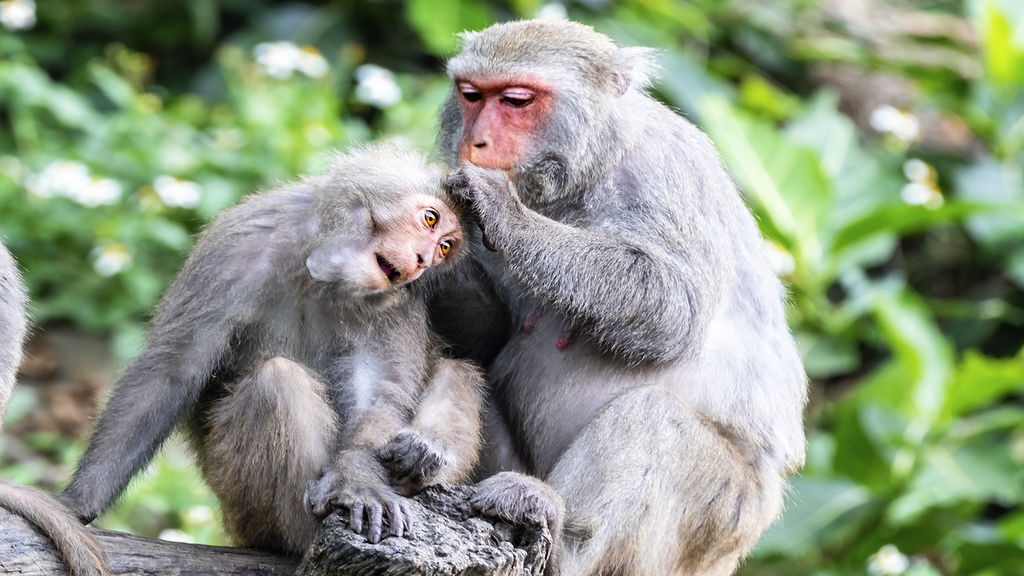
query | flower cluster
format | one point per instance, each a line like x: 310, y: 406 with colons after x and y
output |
x: 890, y: 120
x: 282, y: 59
x: 177, y: 192
x: 376, y: 86
x: 888, y: 561
x: 18, y: 14
x: 110, y: 258
x: 923, y: 186
x: 72, y: 180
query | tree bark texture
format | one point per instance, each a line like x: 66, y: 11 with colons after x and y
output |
x: 447, y: 539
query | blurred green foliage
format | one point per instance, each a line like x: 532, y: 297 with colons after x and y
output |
x: 898, y: 225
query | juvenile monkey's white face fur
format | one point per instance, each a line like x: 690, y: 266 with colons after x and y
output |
x: 406, y: 236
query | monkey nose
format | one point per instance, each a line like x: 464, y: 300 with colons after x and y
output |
x: 423, y: 261
x: 480, y: 144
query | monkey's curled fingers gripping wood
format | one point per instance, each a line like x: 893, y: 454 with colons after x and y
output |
x: 358, y: 488
x: 519, y: 499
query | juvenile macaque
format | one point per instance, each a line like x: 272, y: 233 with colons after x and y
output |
x: 666, y: 425
x: 296, y: 351
x: 80, y: 551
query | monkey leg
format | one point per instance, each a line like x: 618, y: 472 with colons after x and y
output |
x: 653, y: 488
x: 442, y: 443
x: 268, y: 438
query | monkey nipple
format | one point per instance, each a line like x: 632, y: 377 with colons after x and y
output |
x: 564, y: 337
x: 531, y: 320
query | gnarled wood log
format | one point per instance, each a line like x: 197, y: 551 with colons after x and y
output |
x: 447, y: 539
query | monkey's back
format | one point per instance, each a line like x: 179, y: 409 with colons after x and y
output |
x: 12, y: 325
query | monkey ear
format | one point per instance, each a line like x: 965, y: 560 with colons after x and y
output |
x: 635, y: 67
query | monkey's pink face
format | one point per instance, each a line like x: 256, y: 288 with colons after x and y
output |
x: 423, y: 235
x: 407, y: 240
x: 500, y: 118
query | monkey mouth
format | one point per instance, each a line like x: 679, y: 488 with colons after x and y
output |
x: 388, y: 268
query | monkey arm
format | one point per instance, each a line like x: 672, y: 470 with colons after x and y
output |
x: 216, y: 292
x: 635, y: 286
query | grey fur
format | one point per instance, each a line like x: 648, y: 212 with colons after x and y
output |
x: 289, y: 385
x: 77, y: 547
x: 12, y: 325
x: 668, y: 424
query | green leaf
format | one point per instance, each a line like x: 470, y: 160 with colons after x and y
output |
x: 168, y: 233
x: 825, y: 355
x: 1004, y: 60
x: 439, y: 21
x: 906, y: 219
x: 1001, y: 185
x: 979, y: 381
x: 814, y: 507
x: 784, y: 180
x: 979, y: 471
x: 909, y: 328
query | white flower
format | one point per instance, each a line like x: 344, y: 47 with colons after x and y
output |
x: 889, y: 120
x: 58, y: 178
x: 552, y: 11
x: 311, y: 62
x: 18, y: 14
x: 278, y: 59
x: 110, y: 258
x: 923, y: 188
x: 282, y: 59
x: 199, y: 514
x: 917, y: 170
x: 780, y: 260
x: 376, y: 86
x: 921, y: 194
x: 888, y: 561
x: 72, y: 180
x: 176, y: 536
x: 96, y: 192
x: 177, y: 192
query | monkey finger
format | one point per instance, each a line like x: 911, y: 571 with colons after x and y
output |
x: 407, y: 520
x: 396, y: 519
x: 375, y: 513
x: 355, y: 517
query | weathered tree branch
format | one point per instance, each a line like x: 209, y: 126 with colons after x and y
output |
x: 26, y: 552
x: 448, y: 538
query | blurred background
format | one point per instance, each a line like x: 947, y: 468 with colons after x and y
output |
x: 880, y: 143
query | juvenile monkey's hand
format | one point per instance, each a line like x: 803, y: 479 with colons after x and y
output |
x: 413, y: 460
x: 519, y: 499
x: 356, y: 484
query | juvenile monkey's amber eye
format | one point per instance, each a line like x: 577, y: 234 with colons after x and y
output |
x: 446, y: 247
x: 430, y: 217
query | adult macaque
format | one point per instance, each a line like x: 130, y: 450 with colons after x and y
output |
x: 297, y: 352
x: 667, y: 425
x: 79, y: 549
